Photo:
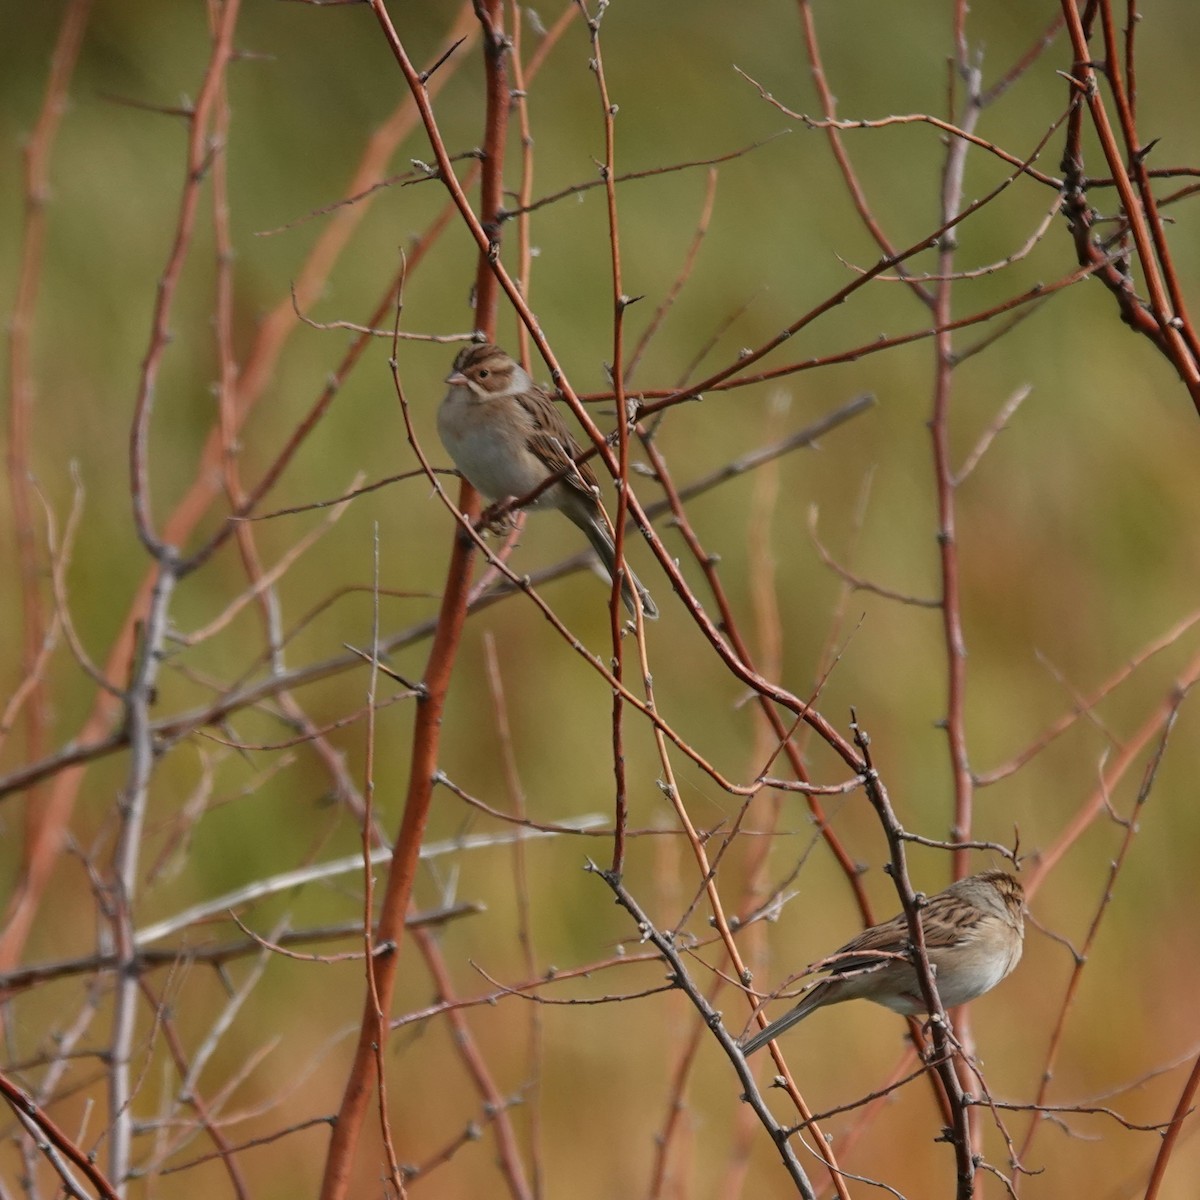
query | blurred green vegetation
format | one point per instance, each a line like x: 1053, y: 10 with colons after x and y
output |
x: 1077, y: 534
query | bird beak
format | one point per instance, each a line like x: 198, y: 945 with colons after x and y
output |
x: 457, y: 378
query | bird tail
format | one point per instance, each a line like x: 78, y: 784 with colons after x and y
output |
x: 769, y: 1033
x: 632, y: 591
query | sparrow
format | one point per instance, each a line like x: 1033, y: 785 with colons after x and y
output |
x: 974, y: 932
x: 506, y: 437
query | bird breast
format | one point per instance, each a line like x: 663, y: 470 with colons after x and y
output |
x: 491, y: 454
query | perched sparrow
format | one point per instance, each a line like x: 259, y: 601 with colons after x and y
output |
x: 973, y: 935
x: 506, y: 436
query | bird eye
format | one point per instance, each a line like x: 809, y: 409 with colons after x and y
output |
x: 484, y: 373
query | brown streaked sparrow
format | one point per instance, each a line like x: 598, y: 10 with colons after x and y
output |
x: 506, y: 436
x: 973, y: 936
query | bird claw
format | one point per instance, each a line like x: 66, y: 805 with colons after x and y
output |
x: 496, y: 519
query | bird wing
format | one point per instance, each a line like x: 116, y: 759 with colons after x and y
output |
x: 868, y: 948
x: 944, y: 927
x: 551, y: 441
